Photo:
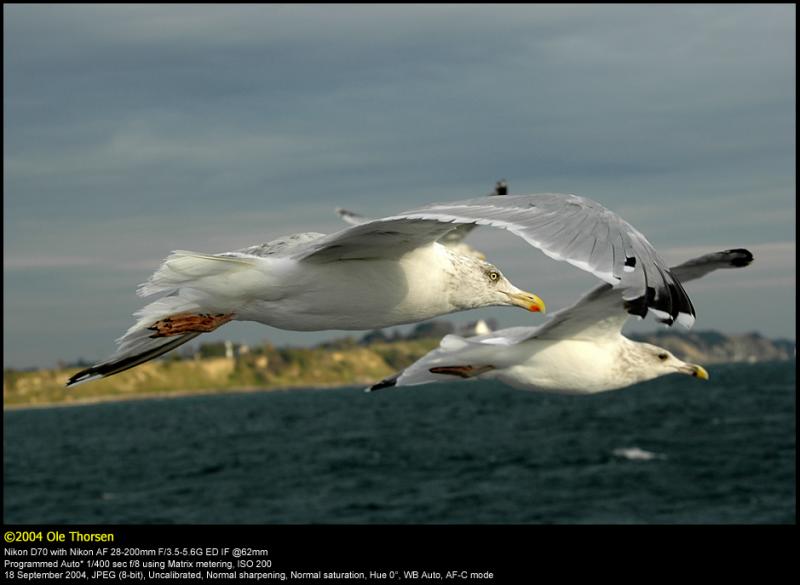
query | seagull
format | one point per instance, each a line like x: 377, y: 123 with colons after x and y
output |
x: 389, y: 271
x: 579, y: 350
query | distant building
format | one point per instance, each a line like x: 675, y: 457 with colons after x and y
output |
x: 479, y: 327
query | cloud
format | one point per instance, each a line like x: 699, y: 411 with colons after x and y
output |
x: 37, y: 261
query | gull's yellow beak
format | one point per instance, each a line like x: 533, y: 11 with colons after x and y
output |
x: 698, y: 372
x: 527, y: 301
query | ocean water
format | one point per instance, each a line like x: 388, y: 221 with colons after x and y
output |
x: 674, y: 450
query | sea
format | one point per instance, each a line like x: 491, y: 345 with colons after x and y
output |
x: 676, y: 450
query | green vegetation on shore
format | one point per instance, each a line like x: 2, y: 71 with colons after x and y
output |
x: 265, y: 367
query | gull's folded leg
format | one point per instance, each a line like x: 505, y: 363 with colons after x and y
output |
x: 189, y: 323
x: 461, y: 371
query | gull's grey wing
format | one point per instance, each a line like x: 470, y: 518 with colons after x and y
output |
x: 378, y: 238
x: 597, y: 314
x: 585, y: 234
x: 455, y: 236
x: 699, y: 267
x: 278, y: 247
x: 601, y: 312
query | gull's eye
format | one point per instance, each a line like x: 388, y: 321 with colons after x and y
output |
x: 662, y: 356
x: 494, y: 276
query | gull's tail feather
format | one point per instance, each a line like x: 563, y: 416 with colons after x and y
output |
x: 183, y: 268
x: 137, y: 349
x: 197, y: 288
x: 140, y: 344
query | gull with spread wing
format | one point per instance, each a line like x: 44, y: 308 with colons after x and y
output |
x: 390, y: 271
x: 579, y: 350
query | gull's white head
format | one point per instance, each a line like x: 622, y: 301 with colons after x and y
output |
x: 644, y: 361
x: 476, y: 283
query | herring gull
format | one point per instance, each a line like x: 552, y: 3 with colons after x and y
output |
x: 389, y: 271
x: 580, y: 350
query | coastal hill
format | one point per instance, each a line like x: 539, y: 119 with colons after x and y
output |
x: 222, y: 366
x: 712, y: 347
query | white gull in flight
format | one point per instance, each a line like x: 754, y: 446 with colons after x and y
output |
x: 579, y: 350
x: 390, y: 271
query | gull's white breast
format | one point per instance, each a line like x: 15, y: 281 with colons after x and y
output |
x: 565, y: 366
x: 355, y: 294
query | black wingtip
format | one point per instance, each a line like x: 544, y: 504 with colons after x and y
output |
x: 385, y: 383
x: 639, y: 305
x: 75, y: 379
x: 743, y: 257
x: 109, y: 368
x: 671, y: 301
x: 86, y: 375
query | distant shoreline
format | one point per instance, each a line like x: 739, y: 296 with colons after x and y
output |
x: 240, y: 390
x: 346, y: 364
x: 176, y: 394
x: 263, y: 369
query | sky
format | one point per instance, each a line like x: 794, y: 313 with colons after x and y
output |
x: 134, y: 130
